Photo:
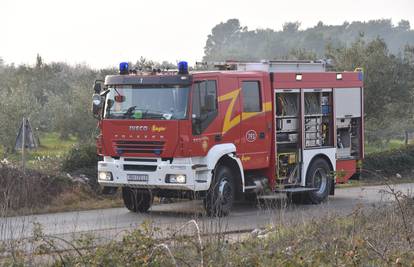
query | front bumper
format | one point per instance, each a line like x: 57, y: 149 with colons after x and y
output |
x: 198, y: 177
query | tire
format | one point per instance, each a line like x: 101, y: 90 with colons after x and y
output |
x: 220, y: 196
x: 137, y: 200
x: 317, y: 176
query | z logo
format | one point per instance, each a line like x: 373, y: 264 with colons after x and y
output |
x: 228, y: 121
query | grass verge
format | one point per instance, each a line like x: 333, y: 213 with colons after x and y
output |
x: 77, y: 198
x: 380, y: 236
x: 33, y: 192
x: 51, y: 147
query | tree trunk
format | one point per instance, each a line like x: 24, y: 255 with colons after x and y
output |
x: 4, y: 152
x: 406, y: 138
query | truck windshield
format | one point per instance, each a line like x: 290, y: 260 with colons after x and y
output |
x: 156, y: 102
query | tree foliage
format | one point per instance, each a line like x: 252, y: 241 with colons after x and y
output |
x: 55, y: 96
x: 230, y: 40
x: 380, y: 48
x: 389, y: 85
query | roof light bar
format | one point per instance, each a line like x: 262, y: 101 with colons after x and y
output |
x: 123, y: 68
x: 182, y: 67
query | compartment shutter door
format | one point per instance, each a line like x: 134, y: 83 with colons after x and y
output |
x: 347, y: 102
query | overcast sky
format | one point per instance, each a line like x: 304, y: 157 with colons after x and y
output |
x: 101, y: 33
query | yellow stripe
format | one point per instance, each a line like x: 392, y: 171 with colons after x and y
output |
x: 232, y: 122
x: 266, y: 107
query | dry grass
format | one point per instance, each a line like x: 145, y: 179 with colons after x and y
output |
x: 77, y: 198
x: 37, y: 192
x: 27, y: 190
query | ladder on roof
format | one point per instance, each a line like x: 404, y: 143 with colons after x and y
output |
x: 297, y: 66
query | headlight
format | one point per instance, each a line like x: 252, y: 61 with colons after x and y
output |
x: 176, y: 178
x: 105, y: 176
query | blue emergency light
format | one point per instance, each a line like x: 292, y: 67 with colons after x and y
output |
x: 182, y: 67
x: 123, y: 68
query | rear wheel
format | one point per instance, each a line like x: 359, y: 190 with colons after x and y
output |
x: 318, y: 176
x: 137, y: 200
x: 220, y: 197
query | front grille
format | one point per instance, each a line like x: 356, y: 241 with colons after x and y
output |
x: 143, y: 168
x: 141, y: 147
x: 140, y: 160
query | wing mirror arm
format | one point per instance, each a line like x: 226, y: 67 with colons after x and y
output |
x: 97, y: 99
x: 97, y: 103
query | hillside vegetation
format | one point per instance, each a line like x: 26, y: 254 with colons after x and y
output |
x: 231, y: 40
x: 56, y: 96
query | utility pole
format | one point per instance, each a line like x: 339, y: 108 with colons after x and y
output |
x: 23, y: 144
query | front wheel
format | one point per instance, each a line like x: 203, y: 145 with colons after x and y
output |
x: 220, y: 196
x: 137, y: 200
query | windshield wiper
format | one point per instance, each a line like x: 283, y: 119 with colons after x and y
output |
x: 129, y: 111
x: 146, y: 113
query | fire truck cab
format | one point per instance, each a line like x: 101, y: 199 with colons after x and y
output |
x: 229, y: 134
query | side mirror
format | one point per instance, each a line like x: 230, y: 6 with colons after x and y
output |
x: 97, y: 105
x: 97, y: 86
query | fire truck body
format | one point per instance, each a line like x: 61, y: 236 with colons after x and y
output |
x: 220, y: 135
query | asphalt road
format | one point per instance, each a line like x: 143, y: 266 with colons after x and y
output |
x: 111, y: 223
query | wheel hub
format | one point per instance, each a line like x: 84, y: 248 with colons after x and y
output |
x: 320, y: 180
x: 224, y: 192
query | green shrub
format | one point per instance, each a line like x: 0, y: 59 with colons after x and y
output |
x: 391, y: 162
x: 80, y: 157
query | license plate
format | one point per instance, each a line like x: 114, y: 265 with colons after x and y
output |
x: 137, y: 177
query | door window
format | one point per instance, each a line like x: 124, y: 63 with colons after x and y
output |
x: 204, y: 105
x: 251, y: 96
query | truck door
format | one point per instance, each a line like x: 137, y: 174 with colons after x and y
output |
x: 255, y: 138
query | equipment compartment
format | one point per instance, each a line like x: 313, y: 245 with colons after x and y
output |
x: 287, y: 117
x: 348, y: 137
x: 318, y: 119
x: 288, y: 126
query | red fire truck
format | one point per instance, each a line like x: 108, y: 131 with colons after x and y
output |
x: 232, y: 133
